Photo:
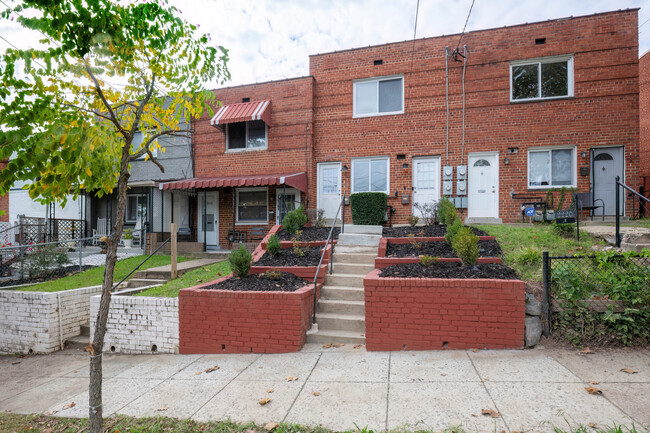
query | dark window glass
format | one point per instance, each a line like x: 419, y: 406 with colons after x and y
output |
x: 390, y: 95
x: 524, y: 82
x: 555, y: 80
x: 237, y: 135
x: 252, y: 206
x: 256, y: 134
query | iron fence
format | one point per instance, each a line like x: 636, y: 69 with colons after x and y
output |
x: 37, y: 262
x: 597, y: 299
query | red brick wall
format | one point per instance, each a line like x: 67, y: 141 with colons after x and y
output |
x: 644, y: 112
x: 432, y: 314
x: 218, y: 321
x: 604, y: 111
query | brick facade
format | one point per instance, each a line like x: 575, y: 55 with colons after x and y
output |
x: 644, y: 113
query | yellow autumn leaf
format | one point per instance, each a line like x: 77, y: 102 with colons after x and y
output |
x: 63, y: 138
x: 88, y: 171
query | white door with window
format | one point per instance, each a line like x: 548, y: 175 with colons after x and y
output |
x: 329, y: 188
x: 209, y: 219
x: 483, y: 186
x: 426, y: 182
x: 608, y: 163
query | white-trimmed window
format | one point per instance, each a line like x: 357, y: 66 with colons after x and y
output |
x: 549, y: 168
x: 246, y: 135
x: 370, y: 174
x: 136, y: 207
x: 136, y: 143
x: 545, y: 78
x: 378, y: 96
x: 252, y: 205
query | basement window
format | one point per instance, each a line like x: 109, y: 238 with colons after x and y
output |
x: 546, y: 78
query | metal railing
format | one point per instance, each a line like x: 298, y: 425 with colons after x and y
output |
x: 340, y: 210
x: 620, y: 185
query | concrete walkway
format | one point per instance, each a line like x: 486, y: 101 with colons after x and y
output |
x: 338, y: 387
x: 165, y: 271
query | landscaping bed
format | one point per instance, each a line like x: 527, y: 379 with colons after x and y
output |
x: 450, y: 270
x: 437, y: 231
x: 310, y: 234
x: 288, y: 257
x: 266, y: 282
x: 487, y: 248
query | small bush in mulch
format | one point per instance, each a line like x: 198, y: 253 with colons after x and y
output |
x: 294, y: 220
x: 450, y: 270
x: 310, y: 234
x: 267, y: 282
x: 423, y: 231
x: 288, y: 257
x: 240, y: 261
x: 273, y: 245
x: 440, y: 249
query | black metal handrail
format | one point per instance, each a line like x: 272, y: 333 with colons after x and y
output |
x: 138, y: 267
x: 341, y: 210
x: 620, y: 185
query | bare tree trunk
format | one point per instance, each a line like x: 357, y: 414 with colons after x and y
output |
x: 97, y: 345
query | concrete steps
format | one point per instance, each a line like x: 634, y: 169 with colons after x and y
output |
x: 342, y: 293
x: 351, y: 268
x: 331, y: 336
x: 81, y: 340
x: 333, y: 306
x: 350, y: 280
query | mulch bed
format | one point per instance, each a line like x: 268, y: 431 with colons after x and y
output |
x: 260, y: 283
x: 450, y: 270
x: 439, y: 249
x: 424, y: 231
x: 310, y: 234
x: 286, y: 257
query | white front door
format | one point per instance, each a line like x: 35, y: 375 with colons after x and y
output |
x: 483, y: 186
x: 209, y: 227
x: 426, y: 182
x: 329, y: 188
x: 608, y: 163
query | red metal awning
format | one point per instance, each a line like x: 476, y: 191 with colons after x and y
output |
x: 258, y: 110
x: 296, y: 180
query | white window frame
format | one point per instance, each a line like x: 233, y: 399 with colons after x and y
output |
x: 279, y: 192
x: 376, y: 80
x: 539, y: 61
x: 251, y: 223
x: 154, y: 151
x: 247, y: 149
x: 138, y: 198
x: 370, y: 159
x: 574, y: 167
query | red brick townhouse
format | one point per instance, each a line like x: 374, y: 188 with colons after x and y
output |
x: 644, y: 114
x: 546, y: 105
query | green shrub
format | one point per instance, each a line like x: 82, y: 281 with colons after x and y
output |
x: 368, y: 208
x: 412, y: 220
x: 528, y: 256
x: 430, y: 212
x: 447, y: 211
x: 452, y: 231
x: 564, y: 230
x: 428, y: 261
x: 294, y: 220
x: 272, y: 274
x: 466, y: 246
x: 240, y: 262
x: 273, y: 245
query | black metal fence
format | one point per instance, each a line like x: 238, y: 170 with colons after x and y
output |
x: 597, y: 299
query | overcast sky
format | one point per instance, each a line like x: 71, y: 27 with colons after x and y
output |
x: 272, y: 39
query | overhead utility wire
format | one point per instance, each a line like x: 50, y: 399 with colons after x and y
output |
x: 415, y: 29
x: 465, y: 26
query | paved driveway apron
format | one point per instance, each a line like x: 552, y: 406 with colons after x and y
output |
x: 338, y: 387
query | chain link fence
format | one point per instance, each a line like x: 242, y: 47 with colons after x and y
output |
x: 599, y: 299
x: 37, y: 262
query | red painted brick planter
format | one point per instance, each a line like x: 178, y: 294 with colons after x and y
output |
x: 288, y: 244
x: 382, y: 261
x: 436, y: 313
x: 383, y: 242
x: 222, y: 321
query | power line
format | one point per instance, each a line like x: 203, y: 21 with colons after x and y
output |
x: 465, y: 26
x: 643, y: 23
x: 415, y: 29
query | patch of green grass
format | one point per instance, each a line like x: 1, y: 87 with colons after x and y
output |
x: 95, y: 276
x: 192, y: 278
x: 523, y: 246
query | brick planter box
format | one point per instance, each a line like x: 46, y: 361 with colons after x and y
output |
x: 223, y: 321
x: 436, y: 313
x: 288, y: 244
x: 382, y: 261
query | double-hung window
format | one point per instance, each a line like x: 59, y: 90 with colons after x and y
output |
x: 370, y: 175
x: 252, y: 205
x: 551, y: 167
x: 246, y: 135
x: 546, y: 78
x: 136, y: 207
x: 378, y: 96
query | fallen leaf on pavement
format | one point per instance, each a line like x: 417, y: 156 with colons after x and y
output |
x: 327, y: 346
x: 197, y: 373
x: 161, y: 409
x: 90, y: 349
x: 76, y: 371
x: 594, y: 391
x: 52, y: 412
x: 474, y: 350
x: 270, y: 390
x: 270, y: 426
x: 264, y: 401
x: 474, y: 415
x: 315, y: 393
x: 291, y: 378
x: 586, y: 351
x: 357, y: 346
x: 592, y: 425
x: 492, y: 413
x: 594, y: 382
x: 443, y: 374
x: 628, y: 370
x: 69, y: 405
x: 211, y: 369
x: 337, y: 345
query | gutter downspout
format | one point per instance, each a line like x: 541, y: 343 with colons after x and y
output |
x: 58, y: 300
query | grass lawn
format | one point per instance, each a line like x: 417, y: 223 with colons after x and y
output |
x: 40, y: 423
x: 95, y: 276
x: 192, y: 278
x: 523, y: 246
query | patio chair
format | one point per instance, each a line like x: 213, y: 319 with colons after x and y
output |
x: 257, y: 234
x: 585, y: 201
x: 103, y: 229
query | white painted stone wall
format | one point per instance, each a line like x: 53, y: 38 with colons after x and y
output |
x: 30, y: 320
x: 137, y: 323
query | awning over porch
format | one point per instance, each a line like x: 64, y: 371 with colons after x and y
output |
x: 295, y: 180
x: 258, y: 110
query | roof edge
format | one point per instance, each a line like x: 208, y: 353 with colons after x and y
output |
x: 264, y: 82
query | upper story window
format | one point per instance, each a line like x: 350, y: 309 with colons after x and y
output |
x: 551, y: 167
x: 546, y: 78
x: 138, y: 139
x: 378, y: 96
x: 246, y: 135
x: 370, y: 174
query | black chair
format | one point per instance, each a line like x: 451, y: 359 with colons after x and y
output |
x: 585, y: 201
x: 257, y: 234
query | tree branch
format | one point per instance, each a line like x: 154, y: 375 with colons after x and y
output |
x: 98, y: 88
x: 145, y: 148
x: 140, y: 110
x: 162, y: 169
x: 76, y: 107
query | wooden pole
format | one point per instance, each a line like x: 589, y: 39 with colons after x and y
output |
x: 174, y: 229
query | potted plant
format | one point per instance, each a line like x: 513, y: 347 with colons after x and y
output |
x: 128, y: 238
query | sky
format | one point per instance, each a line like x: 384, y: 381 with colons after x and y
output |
x: 272, y: 39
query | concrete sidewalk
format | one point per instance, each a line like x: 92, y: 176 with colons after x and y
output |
x: 337, y: 387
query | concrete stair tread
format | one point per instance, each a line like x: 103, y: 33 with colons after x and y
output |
x: 334, y: 274
x: 342, y: 301
x: 78, y: 342
x: 338, y: 316
x: 335, y: 336
x: 359, y: 229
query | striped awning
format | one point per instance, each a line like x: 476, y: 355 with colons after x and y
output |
x: 296, y: 180
x: 258, y: 110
